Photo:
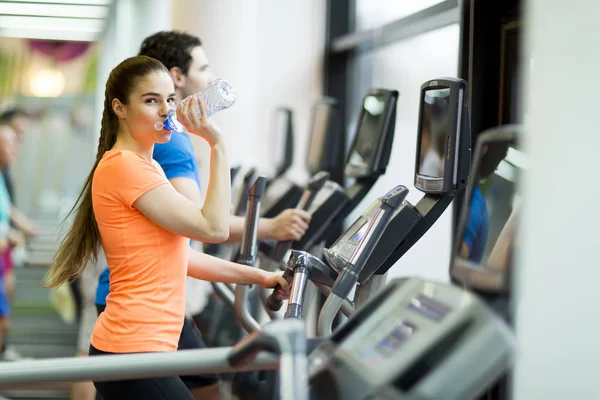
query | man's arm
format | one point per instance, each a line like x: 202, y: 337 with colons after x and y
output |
x: 465, y: 251
x: 289, y: 225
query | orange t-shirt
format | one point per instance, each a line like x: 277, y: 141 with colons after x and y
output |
x: 148, y: 264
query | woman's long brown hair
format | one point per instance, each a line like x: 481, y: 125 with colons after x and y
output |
x: 82, y: 241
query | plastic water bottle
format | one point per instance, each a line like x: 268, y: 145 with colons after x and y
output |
x: 217, y: 96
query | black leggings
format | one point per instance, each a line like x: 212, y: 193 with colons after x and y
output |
x: 169, y: 388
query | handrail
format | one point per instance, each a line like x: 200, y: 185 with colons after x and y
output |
x: 21, y: 374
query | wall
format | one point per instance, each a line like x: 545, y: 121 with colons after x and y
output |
x: 558, y: 270
x: 271, y: 51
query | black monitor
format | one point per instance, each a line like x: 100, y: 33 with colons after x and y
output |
x: 483, y: 252
x: 440, y: 176
x: 282, y: 131
x: 438, y: 167
x: 370, y: 153
x: 322, y: 145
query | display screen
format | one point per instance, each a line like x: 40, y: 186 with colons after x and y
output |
x: 357, y: 237
x: 429, y: 308
x: 435, y: 131
x: 389, y: 344
x: 369, y: 130
x: 347, y: 243
x: 488, y: 236
x: 396, y: 338
x: 318, y: 137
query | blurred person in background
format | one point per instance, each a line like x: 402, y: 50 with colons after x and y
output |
x: 476, y: 232
x: 8, y: 149
x: 19, y: 121
x: 20, y: 226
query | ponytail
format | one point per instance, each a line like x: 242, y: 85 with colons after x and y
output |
x: 82, y: 242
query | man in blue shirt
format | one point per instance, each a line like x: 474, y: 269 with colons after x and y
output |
x: 188, y: 65
x: 476, y: 232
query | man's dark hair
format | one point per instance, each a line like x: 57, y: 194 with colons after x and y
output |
x: 7, y: 116
x: 495, y: 153
x: 172, y: 48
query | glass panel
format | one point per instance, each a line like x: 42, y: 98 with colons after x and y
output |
x: 374, y: 13
x: 488, y: 236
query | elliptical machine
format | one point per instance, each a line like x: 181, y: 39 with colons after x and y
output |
x: 325, y: 152
x: 441, y: 172
x: 367, y: 161
x: 419, y: 339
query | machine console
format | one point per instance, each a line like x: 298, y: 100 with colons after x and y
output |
x: 416, y: 339
x: 340, y: 253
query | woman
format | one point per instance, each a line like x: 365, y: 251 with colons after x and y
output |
x: 144, y: 225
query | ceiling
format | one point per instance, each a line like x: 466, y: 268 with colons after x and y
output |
x: 74, y: 20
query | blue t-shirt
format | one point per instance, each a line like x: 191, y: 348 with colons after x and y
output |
x: 178, y: 160
x: 476, y: 232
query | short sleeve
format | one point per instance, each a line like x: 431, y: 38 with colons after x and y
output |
x: 475, y: 232
x: 128, y: 176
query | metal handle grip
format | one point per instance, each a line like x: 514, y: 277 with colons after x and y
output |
x: 242, y: 198
x: 297, y: 292
x: 249, y: 239
x: 314, y: 186
x: 279, y: 294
